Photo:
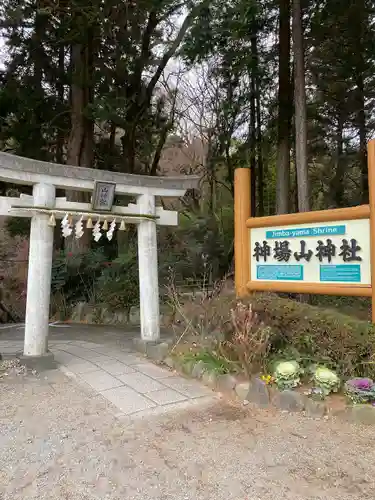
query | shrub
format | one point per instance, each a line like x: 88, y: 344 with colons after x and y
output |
x: 212, y: 359
x: 75, y: 276
x: 299, y: 331
x: 200, y: 249
x: 250, y: 340
x: 339, y: 341
x: 118, y: 284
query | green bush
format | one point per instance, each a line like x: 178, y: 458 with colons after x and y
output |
x: 92, y: 278
x: 342, y: 342
x: 118, y: 286
x: 299, y: 331
x: 75, y: 276
x: 200, y: 249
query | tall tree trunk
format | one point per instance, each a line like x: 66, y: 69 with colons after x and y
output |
x: 77, y: 98
x: 210, y: 173
x: 285, y: 106
x: 80, y: 148
x: 363, y: 20
x: 253, y: 159
x: 37, y: 70
x: 88, y: 151
x: 112, y: 140
x: 261, y: 169
x: 295, y: 175
x: 300, y: 110
x: 60, y: 139
x: 362, y: 138
x: 159, y: 149
x: 258, y: 133
x: 337, y: 183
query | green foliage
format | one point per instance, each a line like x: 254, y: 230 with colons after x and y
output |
x: 200, y: 249
x: 18, y: 226
x: 118, y: 286
x: 299, y: 331
x: 223, y: 30
x: 41, y: 68
x: 319, y: 334
x: 212, y: 359
x: 92, y: 278
x: 75, y: 275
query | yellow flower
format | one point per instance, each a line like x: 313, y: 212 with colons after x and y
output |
x: 266, y: 378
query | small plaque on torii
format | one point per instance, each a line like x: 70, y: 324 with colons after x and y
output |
x: 103, y: 196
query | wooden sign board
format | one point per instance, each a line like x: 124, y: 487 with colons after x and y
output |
x: 328, y: 252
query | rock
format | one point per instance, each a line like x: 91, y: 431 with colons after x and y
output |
x: 362, y: 414
x: 169, y: 362
x: 199, y: 368
x: 315, y: 409
x: 188, y: 367
x: 39, y: 363
x: 210, y: 379
x: 258, y: 393
x: 178, y: 364
x: 226, y: 382
x: 107, y: 317
x: 140, y: 345
x: 121, y: 318
x: 242, y: 390
x: 89, y: 318
x: 289, y: 401
x: 134, y: 316
x: 78, y: 313
x: 157, y: 352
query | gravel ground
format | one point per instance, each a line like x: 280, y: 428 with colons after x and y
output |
x: 59, y: 441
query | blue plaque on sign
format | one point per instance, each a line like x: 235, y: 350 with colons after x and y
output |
x: 344, y: 273
x: 280, y: 272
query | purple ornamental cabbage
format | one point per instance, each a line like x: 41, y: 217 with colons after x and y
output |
x: 360, y: 390
x: 362, y: 384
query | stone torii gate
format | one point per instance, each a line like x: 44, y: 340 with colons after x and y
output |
x: 45, y: 178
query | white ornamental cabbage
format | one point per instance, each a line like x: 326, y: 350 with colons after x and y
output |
x: 326, y: 379
x: 287, y: 374
x: 287, y: 369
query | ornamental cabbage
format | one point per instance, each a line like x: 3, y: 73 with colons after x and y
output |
x: 360, y: 390
x: 326, y: 380
x: 287, y: 374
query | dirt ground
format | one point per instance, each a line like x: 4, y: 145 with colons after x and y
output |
x: 58, y: 441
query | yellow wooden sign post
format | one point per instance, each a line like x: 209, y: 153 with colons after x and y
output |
x: 329, y: 252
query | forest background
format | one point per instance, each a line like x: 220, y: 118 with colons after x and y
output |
x: 165, y: 87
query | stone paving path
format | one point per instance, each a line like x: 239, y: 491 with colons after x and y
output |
x: 60, y: 440
x: 129, y: 381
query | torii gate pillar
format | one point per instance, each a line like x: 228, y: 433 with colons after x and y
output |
x: 148, y: 271
x: 39, y: 274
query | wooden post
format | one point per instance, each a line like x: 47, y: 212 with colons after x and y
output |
x: 242, y: 211
x: 371, y: 185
